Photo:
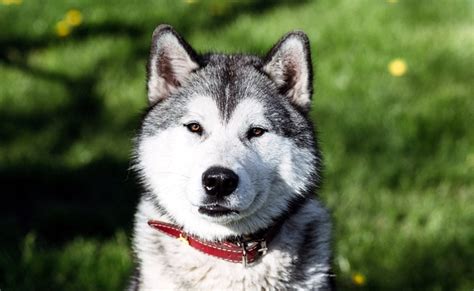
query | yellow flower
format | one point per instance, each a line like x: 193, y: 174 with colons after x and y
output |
x: 74, y: 17
x: 358, y: 279
x: 397, y: 67
x: 63, y: 29
x: 12, y: 2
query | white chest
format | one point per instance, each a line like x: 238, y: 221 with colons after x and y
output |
x: 185, y: 268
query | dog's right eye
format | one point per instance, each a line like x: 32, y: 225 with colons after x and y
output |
x: 194, y: 127
x: 255, y: 132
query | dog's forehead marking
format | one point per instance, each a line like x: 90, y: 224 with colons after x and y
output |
x: 227, y: 94
x: 204, y: 108
x: 229, y: 79
x: 247, y: 112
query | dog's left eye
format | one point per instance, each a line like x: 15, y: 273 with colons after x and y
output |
x: 255, y: 132
x: 194, y: 127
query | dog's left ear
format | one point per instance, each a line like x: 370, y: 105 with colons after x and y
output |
x: 289, y: 65
x: 171, y: 62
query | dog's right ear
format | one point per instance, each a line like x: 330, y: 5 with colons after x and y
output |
x: 171, y: 61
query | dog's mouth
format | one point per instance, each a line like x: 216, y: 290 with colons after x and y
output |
x: 216, y: 210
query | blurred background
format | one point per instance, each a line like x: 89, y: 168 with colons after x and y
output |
x: 393, y: 103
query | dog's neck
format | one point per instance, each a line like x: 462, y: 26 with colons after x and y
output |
x: 294, y: 206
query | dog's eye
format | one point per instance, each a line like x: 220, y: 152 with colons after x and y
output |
x: 194, y: 127
x: 255, y: 132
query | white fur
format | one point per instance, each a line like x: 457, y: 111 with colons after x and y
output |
x: 174, y: 160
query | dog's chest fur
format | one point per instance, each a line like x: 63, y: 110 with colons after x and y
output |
x: 296, y: 258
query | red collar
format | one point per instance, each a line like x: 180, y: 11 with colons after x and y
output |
x: 245, y: 252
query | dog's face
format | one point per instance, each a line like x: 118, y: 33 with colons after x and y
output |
x: 225, y: 146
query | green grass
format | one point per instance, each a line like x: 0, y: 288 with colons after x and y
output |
x: 399, y: 151
x: 83, y: 264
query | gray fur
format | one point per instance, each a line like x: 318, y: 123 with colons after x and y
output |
x: 299, y: 256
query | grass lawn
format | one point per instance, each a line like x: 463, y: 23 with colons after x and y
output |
x: 394, y: 105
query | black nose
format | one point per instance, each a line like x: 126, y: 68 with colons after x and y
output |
x: 219, y: 181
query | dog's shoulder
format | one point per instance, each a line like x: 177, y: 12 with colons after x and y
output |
x: 312, y: 268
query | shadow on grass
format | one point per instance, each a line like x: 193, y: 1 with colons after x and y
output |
x: 53, y: 192
x: 56, y: 202
x: 59, y: 204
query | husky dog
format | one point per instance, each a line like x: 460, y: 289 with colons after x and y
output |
x: 229, y: 162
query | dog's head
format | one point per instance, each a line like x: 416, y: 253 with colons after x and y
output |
x: 226, y: 147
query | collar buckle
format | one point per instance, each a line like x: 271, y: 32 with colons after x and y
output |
x: 263, y: 248
x: 183, y: 237
x: 244, y: 253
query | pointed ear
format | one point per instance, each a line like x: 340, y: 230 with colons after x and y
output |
x: 171, y: 61
x: 289, y: 65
